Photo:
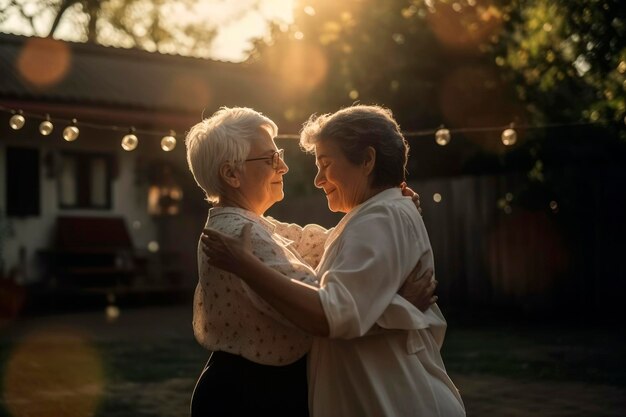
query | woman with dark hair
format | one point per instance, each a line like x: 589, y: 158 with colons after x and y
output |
x: 258, y: 357
x: 373, y: 353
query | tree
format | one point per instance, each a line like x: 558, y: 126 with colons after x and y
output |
x: 556, y: 60
x: 327, y: 58
x: 166, y: 26
x: 417, y: 57
x: 567, y: 57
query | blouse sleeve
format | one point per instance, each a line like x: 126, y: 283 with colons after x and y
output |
x: 308, y: 241
x: 376, y: 252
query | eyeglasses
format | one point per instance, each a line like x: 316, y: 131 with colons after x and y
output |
x: 276, y: 157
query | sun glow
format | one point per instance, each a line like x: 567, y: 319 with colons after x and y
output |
x: 237, y: 23
x: 54, y: 372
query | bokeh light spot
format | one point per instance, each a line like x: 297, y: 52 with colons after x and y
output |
x: 112, y: 313
x: 464, y: 28
x: 44, y: 62
x: 554, y: 206
x: 51, y: 373
x: 153, y: 246
x: 301, y: 68
x: 194, y: 89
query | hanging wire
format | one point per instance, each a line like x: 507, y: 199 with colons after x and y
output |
x: 97, y: 126
x: 412, y: 133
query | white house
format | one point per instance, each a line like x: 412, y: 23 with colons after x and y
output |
x: 45, y: 178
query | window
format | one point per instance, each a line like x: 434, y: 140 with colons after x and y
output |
x: 165, y: 194
x: 22, y: 182
x: 84, y: 181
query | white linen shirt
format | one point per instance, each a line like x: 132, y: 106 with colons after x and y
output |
x: 382, y: 357
x: 229, y: 316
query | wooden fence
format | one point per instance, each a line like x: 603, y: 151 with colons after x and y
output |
x: 492, y: 254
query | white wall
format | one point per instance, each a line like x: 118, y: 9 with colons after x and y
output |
x: 35, y: 232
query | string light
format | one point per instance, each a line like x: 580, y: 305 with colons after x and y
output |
x: 46, y: 127
x: 17, y: 120
x: 168, y: 142
x: 130, y: 141
x: 71, y: 132
x: 509, y: 136
x: 442, y: 136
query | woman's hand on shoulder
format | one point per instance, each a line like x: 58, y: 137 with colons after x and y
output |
x: 226, y: 252
x: 408, y: 192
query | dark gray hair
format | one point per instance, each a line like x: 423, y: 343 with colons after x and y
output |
x: 355, y: 128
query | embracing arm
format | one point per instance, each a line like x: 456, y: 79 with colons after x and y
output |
x: 297, y: 301
x: 419, y: 290
x: 303, y: 305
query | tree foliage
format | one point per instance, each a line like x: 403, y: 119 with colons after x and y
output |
x: 567, y: 57
x: 337, y: 53
x: 145, y: 24
x: 473, y: 63
x: 549, y: 60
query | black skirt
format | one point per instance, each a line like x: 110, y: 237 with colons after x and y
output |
x: 231, y: 385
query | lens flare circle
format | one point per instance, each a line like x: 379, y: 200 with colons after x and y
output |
x: 44, y: 62
x: 53, y: 372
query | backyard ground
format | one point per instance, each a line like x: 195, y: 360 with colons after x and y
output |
x: 145, y: 363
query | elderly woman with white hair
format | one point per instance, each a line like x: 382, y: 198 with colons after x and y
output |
x: 258, y: 359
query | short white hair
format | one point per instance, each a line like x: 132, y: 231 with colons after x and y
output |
x: 225, y: 136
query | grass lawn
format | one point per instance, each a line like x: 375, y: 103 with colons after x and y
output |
x: 124, y: 378
x: 132, y: 379
x: 538, y: 352
x: 152, y: 379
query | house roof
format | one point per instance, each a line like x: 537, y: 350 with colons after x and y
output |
x: 47, y: 70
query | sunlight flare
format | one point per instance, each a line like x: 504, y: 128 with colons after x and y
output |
x: 54, y: 372
x: 44, y: 62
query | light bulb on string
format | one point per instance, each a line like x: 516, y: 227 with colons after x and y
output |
x: 71, y: 132
x: 168, y: 142
x: 46, y: 127
x: 17, y: 120
x: 509, y: 136
x: 130, y: 141
x: 442, y: 136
